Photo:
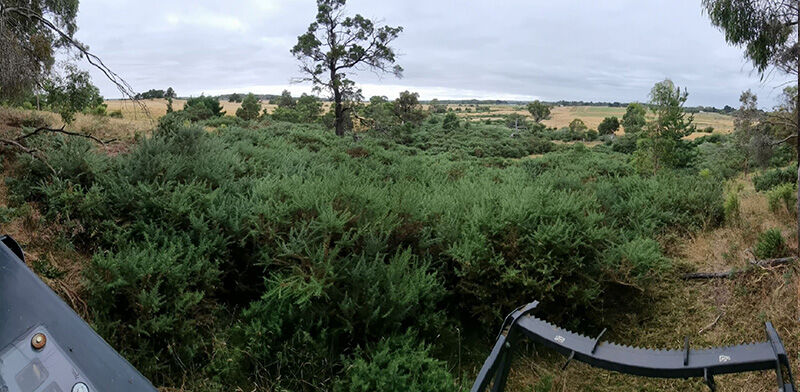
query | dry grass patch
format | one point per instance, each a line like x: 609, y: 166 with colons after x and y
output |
x: 740, y: 306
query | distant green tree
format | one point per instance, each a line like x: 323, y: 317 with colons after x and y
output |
x: 203, y: 108
x: 634, y: 119
x: 308, y: 108
x: 608, y: 126
x: 450, y: 121
x: 235, y: 97
x: 335, y: 44
x: 169, y: 105
x: 539, y: 111
x: 408, y: 109
x: 381, y: 114
x: 72, y: 93
x: 662, y: 144
x: 577, y: 125
x: 285, y: 100
x: 436, y: 107
x: 170, y: 93
x: 152, y: 94
x: 516, y: 121
x: 250, y: 109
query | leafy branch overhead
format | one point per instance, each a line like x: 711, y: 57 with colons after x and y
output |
x: 335, y: 44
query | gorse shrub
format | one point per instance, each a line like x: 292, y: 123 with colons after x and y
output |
x: 396, y: 364
x: 783, y: 197
x: 294, y: 259
x: 771, y: 245
x: 731, y: 206
x: 771, y: 178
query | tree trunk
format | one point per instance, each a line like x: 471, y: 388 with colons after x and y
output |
x: 338, y: 112
x: 797, y: 140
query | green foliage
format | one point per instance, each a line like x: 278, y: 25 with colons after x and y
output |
x: 783, y: 197
x: 72, y: 94
x: 151, y: 94
x: 765, y: 30
x: 202, y: 108
x: 577, y: 125
x: 306, y: 109
x: 771, y: 245
x: 608, y: 126
x: 396, y: 364
x: 408, y: 109
x: 235, y: 97
x: 285, y: 100
x: 719, y: 156
x: 539, y: 111
x: 732, y: 209
x: 662, y: 144
x: 334, y: 45
x: 149, y: 297
x: 451, y: 121
x: 516, y: 121
x: 435, y: 107
x: 29, y: 45
x: 625, y: 143
x: 250, y: 109
x: 771, y: 178
x: 634, y: 119
x: 356, y: 302
x: 291, y: 254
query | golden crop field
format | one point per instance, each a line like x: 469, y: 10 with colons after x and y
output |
x: 158, y: 107
x: 560, y: 116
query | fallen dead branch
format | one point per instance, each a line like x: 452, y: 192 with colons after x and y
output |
x: 17, y: 143
x: 713, y: 323
x: 65, y: 132
x: 728, y: 274
x: 773, y: 262
x: 709, y: 275
x: 36, y: 154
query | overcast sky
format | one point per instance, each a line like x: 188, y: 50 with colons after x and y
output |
x: 609, y: 50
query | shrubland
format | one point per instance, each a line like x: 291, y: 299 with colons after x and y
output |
x: 276, y: 254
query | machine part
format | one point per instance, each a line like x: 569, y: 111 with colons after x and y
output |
x: 44, y: 344
x: 705, y: 363
x: 38, y: 341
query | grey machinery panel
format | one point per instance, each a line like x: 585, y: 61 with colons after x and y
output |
x: 73, y: 357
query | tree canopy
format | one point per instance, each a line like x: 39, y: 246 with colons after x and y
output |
x: 539, y: 111
x: 608, y: 126
x: 336, y: 44
x: 766, y: 30
x: 634, y: 118
x: 250, y: 109
x: 28, y: 44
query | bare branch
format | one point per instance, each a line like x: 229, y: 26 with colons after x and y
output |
x: 62, y: 131
x: 784, y: 140
x: 93, y: 59
x: 32, y: 151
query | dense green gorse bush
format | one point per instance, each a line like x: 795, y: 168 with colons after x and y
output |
x: 282, y: 255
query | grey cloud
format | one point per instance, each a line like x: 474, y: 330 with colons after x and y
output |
x: 613, y: 50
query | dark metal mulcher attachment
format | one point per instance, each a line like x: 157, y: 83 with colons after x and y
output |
x: 704, y: 363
